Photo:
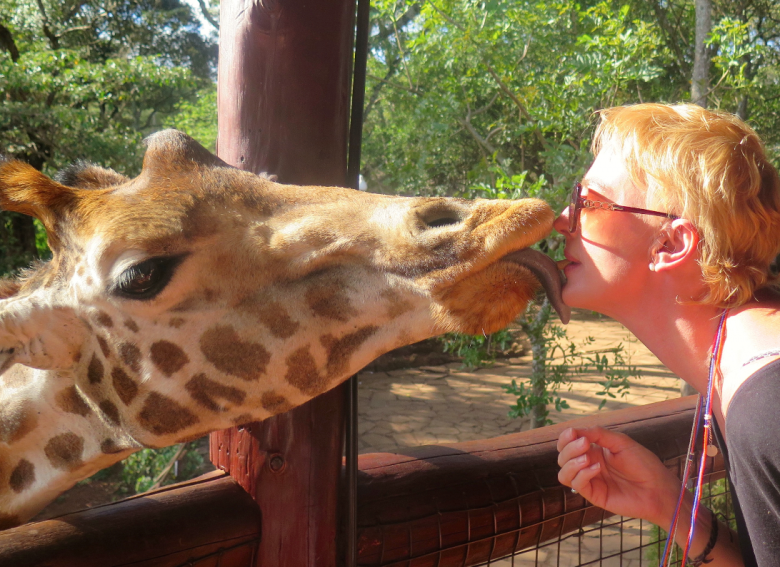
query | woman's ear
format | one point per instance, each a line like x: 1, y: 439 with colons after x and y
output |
x: 678, y: 244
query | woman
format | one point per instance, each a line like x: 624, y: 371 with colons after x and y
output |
x: 675, y: 223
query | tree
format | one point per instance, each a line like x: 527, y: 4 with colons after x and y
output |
x: 87, y: 79
x: 700, y: 82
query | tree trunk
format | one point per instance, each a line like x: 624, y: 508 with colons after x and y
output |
x: 700, y: 82
x: 742, y: 108
x: 538, y: 382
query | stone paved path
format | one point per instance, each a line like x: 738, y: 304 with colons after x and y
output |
x: 446, y: 404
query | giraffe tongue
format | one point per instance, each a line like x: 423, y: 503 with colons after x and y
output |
x: 546, y: 271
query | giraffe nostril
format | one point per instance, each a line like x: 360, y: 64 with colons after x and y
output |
x: 441, y: 221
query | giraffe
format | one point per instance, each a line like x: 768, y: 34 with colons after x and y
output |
x: 196, y: 297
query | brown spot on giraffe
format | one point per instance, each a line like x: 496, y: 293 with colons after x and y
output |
x: 273, y: 316
x: 275, y: 403
x: 186, y: 304
x: 22, y: 476
x: 161, y: 415
x: 125, y: 387
x: 340, y: 351
x: 64, y: 451
x: 206, y: 392
x: 243, y: 419
x: 109, y: 447
x: 70, y: 401
x: 302, y: 372
x: 17, y: 419
x: 95, y: 370
x: 110, y: 410
x: 396, y: 304
x: 223, y: 347
x: 329, y: 299
x: 131, y: 356
x: 103, y: 319
x: 103, y: 346
x: 168, y: 357
x: 132, y: 325
x: 176, y: 322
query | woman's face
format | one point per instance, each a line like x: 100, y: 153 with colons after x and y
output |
x: 610, y: 251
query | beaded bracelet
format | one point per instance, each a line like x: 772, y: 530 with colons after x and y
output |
x: 702, y: 558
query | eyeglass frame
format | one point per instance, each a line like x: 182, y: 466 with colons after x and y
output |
x: 577, y: 203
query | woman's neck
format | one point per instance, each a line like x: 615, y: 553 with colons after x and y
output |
x: 680, y: 335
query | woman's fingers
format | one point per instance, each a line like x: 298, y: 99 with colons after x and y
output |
x: 573, y: 466
x: 612, y: 440
x: 581, y: 482
x: 566, y: 437
x: 572, y: 450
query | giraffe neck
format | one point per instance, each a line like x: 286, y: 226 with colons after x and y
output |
x: 53, y: 437
x: 67, y: 425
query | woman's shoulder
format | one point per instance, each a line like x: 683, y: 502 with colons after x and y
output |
x: 752, y: 343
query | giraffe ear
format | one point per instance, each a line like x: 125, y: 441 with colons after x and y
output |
x: 24, y: 189
x: 87, y: 175
x: 171, y: 150
x: 39, y: 335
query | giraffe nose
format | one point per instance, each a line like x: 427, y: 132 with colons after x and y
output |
x: 444, y: 220
x: 442, y: 213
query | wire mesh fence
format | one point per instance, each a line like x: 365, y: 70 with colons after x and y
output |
x: 616, y: 541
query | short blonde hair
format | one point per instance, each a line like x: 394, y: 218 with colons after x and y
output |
x: 710, y: 168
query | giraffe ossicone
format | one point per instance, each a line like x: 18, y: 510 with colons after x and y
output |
x: 196, y: 296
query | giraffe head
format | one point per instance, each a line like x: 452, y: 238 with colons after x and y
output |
x: 198, y: 296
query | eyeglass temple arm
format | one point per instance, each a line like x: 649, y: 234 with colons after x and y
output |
x: 644, y: 211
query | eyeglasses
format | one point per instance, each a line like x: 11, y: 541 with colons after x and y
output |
x: 577, y: 203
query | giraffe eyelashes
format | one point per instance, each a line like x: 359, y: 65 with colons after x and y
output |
x: 146, y: 279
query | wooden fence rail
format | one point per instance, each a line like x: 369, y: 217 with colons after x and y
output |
x: 453, y: 505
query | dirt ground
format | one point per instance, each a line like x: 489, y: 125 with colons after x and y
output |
x: 439, y: 401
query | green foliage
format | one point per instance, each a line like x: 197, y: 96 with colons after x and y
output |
x: 459, y: 88
x: 197, y: 117
x: 89, y: 80
x: 479, y: 350
x: 140, y: 470
x: 467, y: 85
x: 556, y: 361
x: 548, y: 375
x: 69, y: 107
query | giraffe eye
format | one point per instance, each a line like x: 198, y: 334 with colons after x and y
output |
x: 146, y: 279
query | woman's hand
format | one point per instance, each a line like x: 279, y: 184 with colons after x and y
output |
x: 614, y: 472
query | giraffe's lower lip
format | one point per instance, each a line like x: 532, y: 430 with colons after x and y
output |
x: 546, y: 271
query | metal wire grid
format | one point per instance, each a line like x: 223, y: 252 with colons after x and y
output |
x: 616, y: 541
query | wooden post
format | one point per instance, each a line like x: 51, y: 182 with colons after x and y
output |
x: 284, y: 83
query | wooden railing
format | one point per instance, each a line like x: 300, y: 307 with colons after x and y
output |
x: 452, y: 505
